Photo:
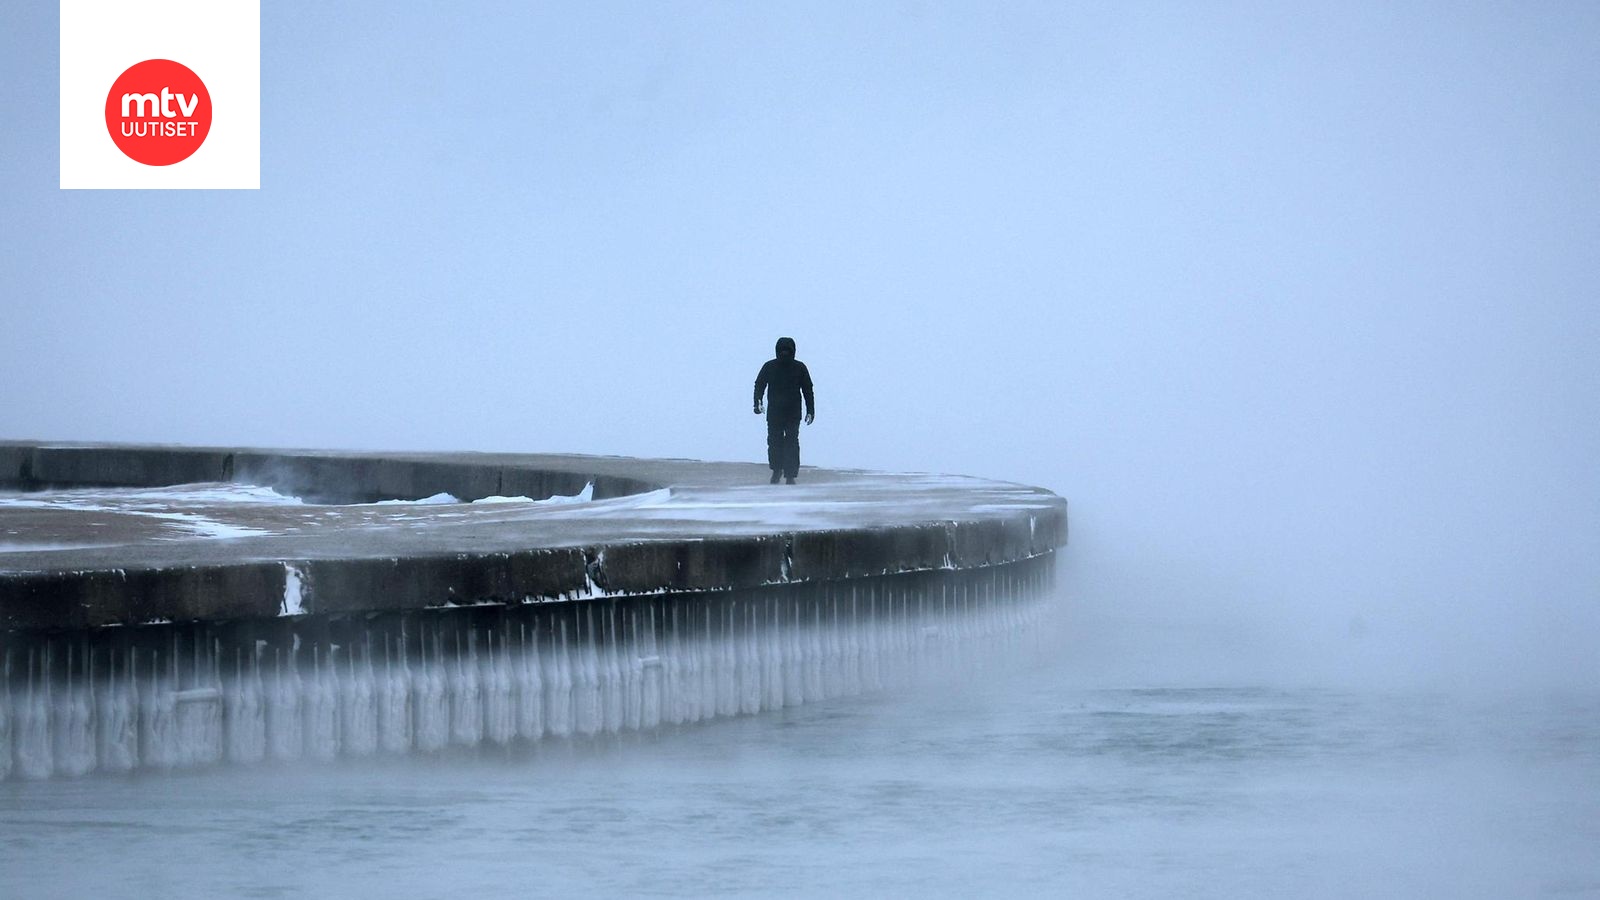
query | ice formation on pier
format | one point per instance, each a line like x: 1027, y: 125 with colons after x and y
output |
x: 319, y: 687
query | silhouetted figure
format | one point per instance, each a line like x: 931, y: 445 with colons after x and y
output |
x: 785, y: 380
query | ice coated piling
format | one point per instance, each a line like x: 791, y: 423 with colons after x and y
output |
x: 134, y: 641
x: 313, y: 687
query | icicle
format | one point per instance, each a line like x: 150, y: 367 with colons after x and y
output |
x: 285, y: 724
x: 197, y: 710
x: 558, y: 686
x: 530, y: 688
x: 632, y: 664
x: 650, y: 687
x: 673, y: 706
x: 772, y: 651
x: 33, y: 757
x: 586, y: 683
x: 466, y: 695
x: 394, y: 699
x: 358, y: 708
x: 611, y: 694
x: 6, y: 716
x: 75, y: 750
x: 244, y: 710
x: 499, y: 714
x: 794, y: 658
x: 432, y: 729
x: 118, y: 731
x: 812, y: 641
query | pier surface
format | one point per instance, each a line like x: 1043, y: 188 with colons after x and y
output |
x: 329, y: 543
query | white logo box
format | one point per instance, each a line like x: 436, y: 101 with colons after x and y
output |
x: 219, y: 39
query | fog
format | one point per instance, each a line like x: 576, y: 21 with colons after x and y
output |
x: 1294, y: 304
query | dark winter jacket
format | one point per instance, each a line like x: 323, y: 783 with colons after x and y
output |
x: 785, y: 380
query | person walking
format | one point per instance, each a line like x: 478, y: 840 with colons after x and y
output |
x: 785, y: 381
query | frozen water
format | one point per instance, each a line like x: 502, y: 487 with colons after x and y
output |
x: 307, y: 688
x: 1020, y: 783
x: 438, y: 499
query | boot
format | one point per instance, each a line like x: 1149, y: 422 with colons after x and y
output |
x: 774, y: 477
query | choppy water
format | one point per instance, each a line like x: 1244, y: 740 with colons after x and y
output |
x: 1029, y: 783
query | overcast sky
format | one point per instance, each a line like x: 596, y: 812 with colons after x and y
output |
x: 1295, y: 303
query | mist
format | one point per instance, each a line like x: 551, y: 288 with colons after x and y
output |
x: 1295, y: 305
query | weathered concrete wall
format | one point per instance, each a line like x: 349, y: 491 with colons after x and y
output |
x: 130, y: 466
x: 319, y: 476
x: 701, y: 527
x: 16, y: 464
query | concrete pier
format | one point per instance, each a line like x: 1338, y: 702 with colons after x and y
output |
x: 304, y: 604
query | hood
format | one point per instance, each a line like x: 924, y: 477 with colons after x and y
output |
x: 785, y: 348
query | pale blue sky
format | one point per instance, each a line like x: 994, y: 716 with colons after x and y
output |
x: 1294, y: 302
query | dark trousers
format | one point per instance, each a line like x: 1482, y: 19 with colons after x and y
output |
x: 783, y: 445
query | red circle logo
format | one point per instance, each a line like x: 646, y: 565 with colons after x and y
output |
x: 158, y: 112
